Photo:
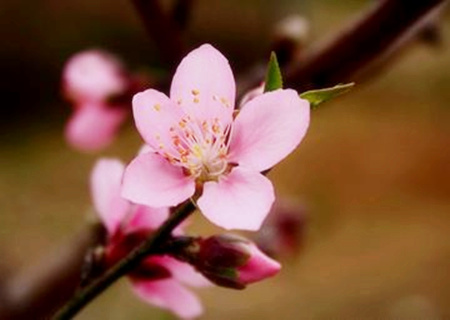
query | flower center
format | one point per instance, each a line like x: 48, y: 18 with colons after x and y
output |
x: 201, y: 147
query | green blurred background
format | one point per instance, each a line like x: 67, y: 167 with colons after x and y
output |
x: 373, y: 171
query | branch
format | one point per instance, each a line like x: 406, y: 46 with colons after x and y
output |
x: 40, y: 290
x: 151, y: 245
x: 361, y: 43
x: 162, y: 29
x: 354, y: 48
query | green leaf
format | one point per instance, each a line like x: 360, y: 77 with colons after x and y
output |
x: 274, y: 80
x: 316, y: 97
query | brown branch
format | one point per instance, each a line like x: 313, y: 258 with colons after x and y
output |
x: 359, y: 44
x: 353, y: 49
x: 161, y: 28
x: 41, y: 289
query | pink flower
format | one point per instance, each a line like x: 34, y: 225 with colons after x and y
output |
x: 93, y: 76
x: 232, y: 261
x: 158, y: 279
x: 197, y: 144
x: 90, y: 79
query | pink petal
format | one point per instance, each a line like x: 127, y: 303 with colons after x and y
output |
x: 93, y: 127
x: 106, y: 178
x: 268, y: 128
x: 240, y: 200
x: 153, y: 181
x: 204, y: 85
x: 93, y: 75
x: 258, y: 267
x: 183, y: 271
x: 168, y: 294
x: 147, y: 218
x: 155, y: 115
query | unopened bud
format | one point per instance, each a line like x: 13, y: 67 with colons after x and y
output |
x: 233, y: 262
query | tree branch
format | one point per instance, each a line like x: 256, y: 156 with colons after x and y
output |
x: 353, y: 49
x: 151, y: 245
x: 359, y: 44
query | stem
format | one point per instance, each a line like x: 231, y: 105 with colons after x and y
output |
x: 83, y: 297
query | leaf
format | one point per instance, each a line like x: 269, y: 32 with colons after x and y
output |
x: 273, y: 80
x: 316, y: 97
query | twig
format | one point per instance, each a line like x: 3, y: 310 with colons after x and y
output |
x: 83, y: 297
x: 162, y: 29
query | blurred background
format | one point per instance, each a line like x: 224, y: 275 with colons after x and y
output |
x: 373, y: 172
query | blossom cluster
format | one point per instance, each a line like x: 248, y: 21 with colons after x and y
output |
x: 199, y: 148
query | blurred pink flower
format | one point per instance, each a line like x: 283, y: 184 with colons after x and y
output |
x: 93, y: 126
x: 198, y: 144
x: 158, y: 279
x: 232, y: 261
x: 93, y: 76
x: 283, y: 232
x: 90, y: 79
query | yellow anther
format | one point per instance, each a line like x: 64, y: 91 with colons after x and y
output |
x: 196, y: 100
x: 195, y: 92
x: 157, y: 107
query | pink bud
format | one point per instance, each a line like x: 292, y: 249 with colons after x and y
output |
x: 93, y: 76
x: 233, y: 262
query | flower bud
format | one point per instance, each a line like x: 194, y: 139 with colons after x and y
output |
x: 233, y: 262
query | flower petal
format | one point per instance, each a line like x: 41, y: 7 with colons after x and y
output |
x: 258, y: 267
x: 93, y: 126
x: 182, y: 271
x: 106, y: 180
x: 155, y: 114
x: 268, y: 128
x: 168, y: 294
x: 153, y: 181
x: 146, y: 218
x: 204, y: 85
x: 240, y: 200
